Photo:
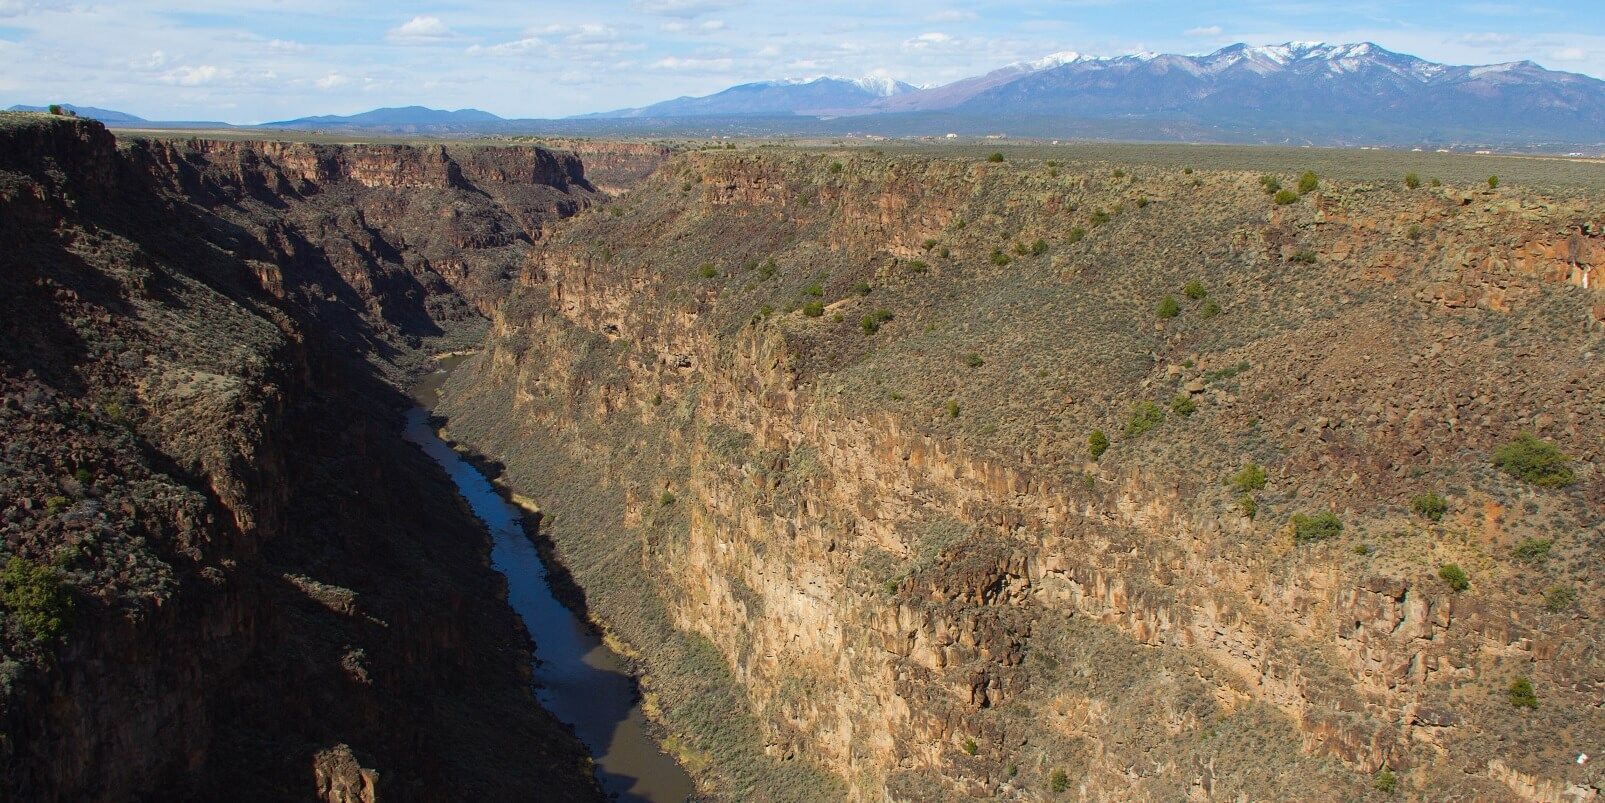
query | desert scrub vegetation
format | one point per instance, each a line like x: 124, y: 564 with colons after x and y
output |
x: 1097, y: 443
x: 1430, y: 506
x: 1319, y: 527
x: 34, y: 597
x: 1168, y: 308
x: 1143, y: 418
x: 1058, y: 781
x: 1454, y: 577
x: 1183, y: 404
x: 1210, y: 309
x: 1384, y: 781
x: 999, y: 258
x: 1521, y: 693
x: 1532, y: 550
x: 1536, y: 461
x: 1195, y: 290
x: 1247, y: 505
x: 871, y: 323
x: 707, y: 270
x: 974, y: 360
x: 1308, y: 182
x: 814, y: 309
x: 1271, y: 184
x: 1284, y: 197
x: 1248, y: 479
x: 1558, y: 598
x: 1075, y: 235
x: 995, y: 157
x: 1412, y: 181
x: 1303, y: 256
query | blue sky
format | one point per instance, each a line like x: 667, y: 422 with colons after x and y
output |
x: 257, y: 60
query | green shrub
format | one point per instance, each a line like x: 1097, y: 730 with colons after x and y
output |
x: 55, y: 108
x: 1144, y: 417
x: 1076, y: 235
x: 861, y: 289
x: 55, y: 504
x: 1194, y: 290
x: 1454, y: 576
x: 1318, y: 527
x: 1522, y: 694
x: 1187, y: 171
x: 999, y: 258
x: 1142, y: 201
x: 974, y: 360
x: 707, y: 271
x: 835, y: 167
x: 952, y: 408
x: 766, y: 310
x: 1247, y: 505
x: 814, y: 309
x: 1430, y: 506
x: 1183, y: 405
x: 666, y: 499
x: 1168, y: 307
x: 1210, y: 309
x: 816, y: 290
x: 1532, y: 550
x: 1250, y: 478
x: 918, y: 266
x: 995, y: 157
x: 1308, y: 182
x: 1558, y: 598
x: 1535, y: 461
x: 1270, y: 183
x: 1058, y: 781
x: 943, y: 253
x: 1284, y: 197
x: 768, y: 268
x: 1039, y: 248
x: 1437, y: 182
x: 1412, y: 181
x: 1385, y: 780
x: 1303, y: 256
x: 928, y: 244
x: 871, y: 323
x: 970, y: 747
x: 1493, y: 182
x: 1120, y: 173
x: 1100, y: 217
x: 1097, y: 444
x: 34, y: 596
x: 1362, y: 549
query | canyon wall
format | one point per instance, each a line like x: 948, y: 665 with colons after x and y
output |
x: 226, y: 575
x: 811, y: 432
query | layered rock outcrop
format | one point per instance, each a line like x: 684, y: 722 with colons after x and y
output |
x: 835, y: 408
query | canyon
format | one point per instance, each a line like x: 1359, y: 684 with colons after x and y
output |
x: 813, y: 437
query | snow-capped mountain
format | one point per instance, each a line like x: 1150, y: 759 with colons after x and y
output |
x: 1310, y: 92
x: 829, y: 94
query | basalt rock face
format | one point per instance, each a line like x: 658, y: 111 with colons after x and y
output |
x: 272, y: 596
x: 611, y: 166
x: 811, y: 432
x: 409, y: 242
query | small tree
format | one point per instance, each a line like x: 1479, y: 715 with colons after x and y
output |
x: 1522, y: 694
x: 995, y: 157
x: 55, y: 108
x: 34, y: 595
x: 1493, y: 182
x: 1412, y: 181
x: 1308, y: 182
x: 1430, y: 506
x: 952, y: 408
x: 1097, y: 444
x: 1454, y: 576
x: 1168, y: 307
x: 1250, y: 478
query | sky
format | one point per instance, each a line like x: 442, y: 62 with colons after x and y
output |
x: 245, y: 61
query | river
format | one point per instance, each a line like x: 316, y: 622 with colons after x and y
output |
x: 577, y: 678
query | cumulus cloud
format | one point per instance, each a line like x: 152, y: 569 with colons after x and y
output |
x: 421, y: 31
x: 683, y: 8
x: 928, y: 40
x: 1205, y: 31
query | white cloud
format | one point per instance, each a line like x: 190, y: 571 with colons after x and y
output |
x: 1569, y: 54
x: 194, y: 76
x: 951, y: 16
x: 1205, y: 31
x: 694, y: 64
x: 928, y: 40
x: 331, y: 81
x: 421, y: 31
x: 683, y: 8
x: 16, y: 8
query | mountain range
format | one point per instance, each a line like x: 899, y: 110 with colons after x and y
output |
x: 1291, y: 93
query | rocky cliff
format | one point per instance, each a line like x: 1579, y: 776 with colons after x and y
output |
x: 917, y: 478
x: 225, y: 576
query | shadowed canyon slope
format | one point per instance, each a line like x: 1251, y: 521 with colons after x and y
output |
x: 812, y: 434
x: 269, y: 595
